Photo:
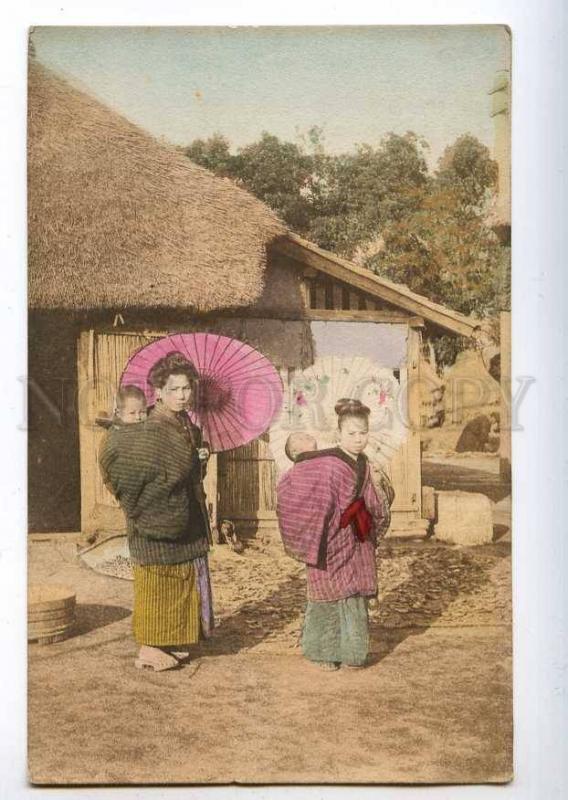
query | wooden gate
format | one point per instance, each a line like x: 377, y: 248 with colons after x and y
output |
x: 102, y: 357
x: 246, y: 487
x: 101, y: 360
x: 247, y: 475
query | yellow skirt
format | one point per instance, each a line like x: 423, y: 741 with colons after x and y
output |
x: 166, y: 604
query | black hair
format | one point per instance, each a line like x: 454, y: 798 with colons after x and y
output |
x: 173, y: 363
x: 348, y: 407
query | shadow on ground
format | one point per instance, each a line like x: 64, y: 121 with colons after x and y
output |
x: 451, y: 478
x: 437, y: 576
x: 90, y: 616
x: 255, y: 622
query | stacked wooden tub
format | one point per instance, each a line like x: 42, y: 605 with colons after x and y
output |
x: 51, y: 613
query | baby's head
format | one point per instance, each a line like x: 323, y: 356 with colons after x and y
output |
x: 298, y: 443
x: 130, y: 405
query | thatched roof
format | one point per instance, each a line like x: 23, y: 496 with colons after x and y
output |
x: 117, y: 219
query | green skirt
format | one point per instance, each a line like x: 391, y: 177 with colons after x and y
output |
x: 337, y: 631
x: 166, y: 604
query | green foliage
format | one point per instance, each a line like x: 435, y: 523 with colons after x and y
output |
x: 339, y: 202
x: 213, y: 153
x: 466, y: 168
x: 451, y: 257
x: 278, y: 173
x: 357, y: 193
x: 429, y: 232
x: 446, y: 250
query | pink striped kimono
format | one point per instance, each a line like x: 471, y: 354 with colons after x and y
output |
x: 311, y: 498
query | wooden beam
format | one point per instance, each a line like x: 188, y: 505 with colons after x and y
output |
x: 311, y: 294
x: 337, y: 296
x: 87, y: 455
x: 320, y: 295
x: 392, y: 317
x: 329, y: 315
x: 305, y: 293
x: 365, y: 281
x: 74, y: 537
x: 506, y: 386
x: 414, y: 467
x: 353, y: 301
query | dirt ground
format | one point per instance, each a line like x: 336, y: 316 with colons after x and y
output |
x: 434, y: 705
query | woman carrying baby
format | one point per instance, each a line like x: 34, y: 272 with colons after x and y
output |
x: 331, y: 517
x: 155, y: 470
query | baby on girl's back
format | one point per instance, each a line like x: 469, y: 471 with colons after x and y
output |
x: 299, y: 443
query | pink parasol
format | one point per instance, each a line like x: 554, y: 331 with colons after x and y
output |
x: 240, y: 391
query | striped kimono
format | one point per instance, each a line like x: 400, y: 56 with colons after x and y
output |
x: 341, y: 567
x: 153, y: 470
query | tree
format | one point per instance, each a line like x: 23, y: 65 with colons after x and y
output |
x: 213, y: 153
x: 278, y: 173
x: 446, y: 249
x: 338, y: 201
x: 467, y: 169
x: 362, y: 191
x: 436, y: 252
x: 429, y: 232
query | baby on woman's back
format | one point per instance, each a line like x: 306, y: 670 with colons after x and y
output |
x: 131, y: 406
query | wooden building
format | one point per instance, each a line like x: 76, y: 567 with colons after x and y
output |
x: 129, y: 241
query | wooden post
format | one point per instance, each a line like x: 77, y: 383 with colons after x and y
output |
x: 305, y: 293
x: 506, y: 391
x: 353, y: 301
x: 320, y: 295
x: 414, y: 450
x: 337, y: 296
x: 87, y: 456
x: 210, y: 487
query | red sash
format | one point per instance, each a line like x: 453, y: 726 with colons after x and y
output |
x: 359, y: 517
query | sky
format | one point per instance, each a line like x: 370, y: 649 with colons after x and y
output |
x: 357, y: 84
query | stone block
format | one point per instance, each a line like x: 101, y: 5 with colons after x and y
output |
x: 464, y: 518
x: 428, y: 503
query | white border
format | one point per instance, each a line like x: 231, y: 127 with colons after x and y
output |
x: 539, y: 298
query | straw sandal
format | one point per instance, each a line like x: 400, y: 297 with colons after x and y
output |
x: 155, y: 659
x: 182, y: 656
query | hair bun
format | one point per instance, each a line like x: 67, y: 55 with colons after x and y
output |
x: 349, y: 405
x: 173, y: 363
